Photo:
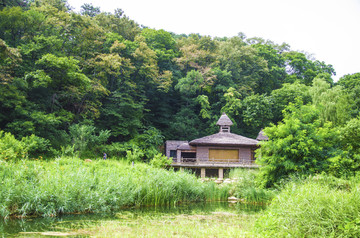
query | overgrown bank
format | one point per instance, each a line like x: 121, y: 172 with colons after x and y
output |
x: 319, y: 206
x: 316, y: 206
x: 69, y: 185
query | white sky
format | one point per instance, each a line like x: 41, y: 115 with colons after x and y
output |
x: 328, y: 29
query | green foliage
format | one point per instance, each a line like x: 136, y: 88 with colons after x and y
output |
x: 205, y: 106
x: 163, y: 44
x: 351, y: 85
x: 183, y: 124
x: 59, y: 68
x: 247, y: 187
x: 151, y: 138
x: 134, y: 155
x: 89, y: 10
x: 288, y: 93
x: 84, y: 138
x: 242, y: 61
x: 350, y: 134
x: 191, y: 84
x: 70, y: 185
x: 122, y: 114
x: 320, y: 206
x: 301, y: 67
x: 233, y: 104
x: 36, y: 145
x: 257, y: 111
x: 160, y: 161
x: 347, y: 163
x: 300, y: 144
x: 333, y: 103
x: 13, y: 149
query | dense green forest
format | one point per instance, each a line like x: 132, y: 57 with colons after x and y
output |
x: 94, y: 81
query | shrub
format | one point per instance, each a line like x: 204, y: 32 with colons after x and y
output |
x: 12, y: 149
x: 36, y: 145
x: 84, y: 137
x: 160, y: 161
x: 134, y: 155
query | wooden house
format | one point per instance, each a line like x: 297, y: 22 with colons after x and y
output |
x: 221, y: 150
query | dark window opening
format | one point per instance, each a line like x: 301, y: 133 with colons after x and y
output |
x: 211, y: 173
x: 173, y: 153
x: 188, y: 155
x: 253, y: 156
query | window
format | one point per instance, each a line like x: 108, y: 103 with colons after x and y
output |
x: 173, y: 153
x: 188, y: 155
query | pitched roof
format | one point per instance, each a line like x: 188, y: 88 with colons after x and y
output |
x: 185, y: 146
x: 222, y: 138
x: 262, y: 136
x: 224, y: 120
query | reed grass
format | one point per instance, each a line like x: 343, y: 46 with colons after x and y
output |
x: 247, y: 189
x: 70, y: 185
x: 320, y: 206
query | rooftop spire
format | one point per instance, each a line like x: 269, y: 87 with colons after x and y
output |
x: 224, y: 122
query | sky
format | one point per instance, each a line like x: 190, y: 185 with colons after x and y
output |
x: 327, y: 29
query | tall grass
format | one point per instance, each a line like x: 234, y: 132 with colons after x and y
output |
x: 69, y: 185
x: 320, y: 206
x: 246, y: 187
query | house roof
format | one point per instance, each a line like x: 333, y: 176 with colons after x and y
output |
x: 224, y: 139
x: 185, y: 146
x: 262, y: 136
x: 224, y: 120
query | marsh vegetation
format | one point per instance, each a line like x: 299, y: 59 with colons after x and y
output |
x: 313, y: 206
x: 71, y: 185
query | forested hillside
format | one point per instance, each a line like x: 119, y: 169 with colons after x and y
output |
x: 98, y: 81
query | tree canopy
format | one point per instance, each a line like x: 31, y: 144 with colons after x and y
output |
x: 64, y: 74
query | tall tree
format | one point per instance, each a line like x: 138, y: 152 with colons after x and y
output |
x: 89, y: 10
x: 300, y: 144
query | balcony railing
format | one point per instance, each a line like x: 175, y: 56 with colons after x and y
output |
x: 244, y: 161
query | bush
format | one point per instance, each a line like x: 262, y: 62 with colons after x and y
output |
x: 36, y: 145
x: 83, y: 138
x: 160, y: 161
x: 13, y: 149
x: 135, y: 155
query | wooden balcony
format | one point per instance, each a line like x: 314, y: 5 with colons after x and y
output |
x: 206, y: 163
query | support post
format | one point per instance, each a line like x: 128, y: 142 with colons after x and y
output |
x: 221, y: 173
x: 178, y: 156
x: 203, y: 173
x: 182, y: 169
